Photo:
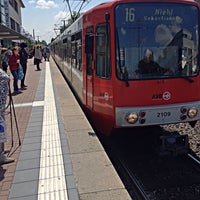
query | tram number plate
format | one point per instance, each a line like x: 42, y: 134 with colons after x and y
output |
x: 163, y: 114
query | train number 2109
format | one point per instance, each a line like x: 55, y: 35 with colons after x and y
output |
x: 163, y: 114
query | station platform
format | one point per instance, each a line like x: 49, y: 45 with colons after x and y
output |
x: 56, y: 154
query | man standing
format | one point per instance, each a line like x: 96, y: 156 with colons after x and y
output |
x: 38, y: 57
x: 23, y: 61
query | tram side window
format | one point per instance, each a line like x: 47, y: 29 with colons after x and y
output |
x: 69, y: 51
x: 76, y: 50
x: 103, y: 69
x: 65, y: 41
x: 89, y: 40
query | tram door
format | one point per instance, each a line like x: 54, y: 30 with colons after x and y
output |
x: 89, y: 49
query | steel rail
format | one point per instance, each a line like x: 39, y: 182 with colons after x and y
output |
x: 134, y: 180
x: 193, y: 158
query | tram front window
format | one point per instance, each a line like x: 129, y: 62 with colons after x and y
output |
x: 156, y: 40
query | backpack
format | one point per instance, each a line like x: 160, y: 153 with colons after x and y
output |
x: 23, y: 56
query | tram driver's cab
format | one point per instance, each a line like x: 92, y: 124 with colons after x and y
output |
x: 167, y: 35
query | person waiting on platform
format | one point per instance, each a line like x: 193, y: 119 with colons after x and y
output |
x: 46, y: 53
x: 23, y: 61
x: 13, y: 63
x: 37, y: 57
x: 4, y: 57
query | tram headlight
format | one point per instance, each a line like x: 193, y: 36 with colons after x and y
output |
x: 132, y: 118
x: 192, y: 112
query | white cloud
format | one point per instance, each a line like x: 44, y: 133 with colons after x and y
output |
x: 43, y: 4
x: 61, y: 15
x: 31, y: 1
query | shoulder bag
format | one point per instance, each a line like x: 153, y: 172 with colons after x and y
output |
x: 20, y: 72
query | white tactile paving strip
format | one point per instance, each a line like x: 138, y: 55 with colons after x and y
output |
x: 52, y: 183
x: 34, y: 104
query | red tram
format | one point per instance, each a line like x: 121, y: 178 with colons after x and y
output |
x: 134, y: 63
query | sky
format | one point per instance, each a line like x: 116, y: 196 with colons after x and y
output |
x: 44, y: 17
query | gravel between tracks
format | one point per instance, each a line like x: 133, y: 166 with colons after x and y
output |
x: 193, y: 134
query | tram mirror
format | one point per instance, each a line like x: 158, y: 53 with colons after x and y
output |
x: 89, y: 43
x: 107, y: 17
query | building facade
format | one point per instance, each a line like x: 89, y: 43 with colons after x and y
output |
x: 11, y: 21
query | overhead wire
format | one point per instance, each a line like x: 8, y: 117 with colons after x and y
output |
x: 77, y: 7
x: 57, y: 22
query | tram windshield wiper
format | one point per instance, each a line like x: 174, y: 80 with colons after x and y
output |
x: 125, y: 75
x: 122, y: 68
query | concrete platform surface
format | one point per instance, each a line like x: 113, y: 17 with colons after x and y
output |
x: 58, y: 158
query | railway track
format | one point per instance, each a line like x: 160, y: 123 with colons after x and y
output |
x: 194, y: 159
x: 176, y: 191
x: 136, y: 189
x: 150, y: 176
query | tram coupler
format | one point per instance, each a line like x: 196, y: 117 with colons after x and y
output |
x: 174, y: 144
